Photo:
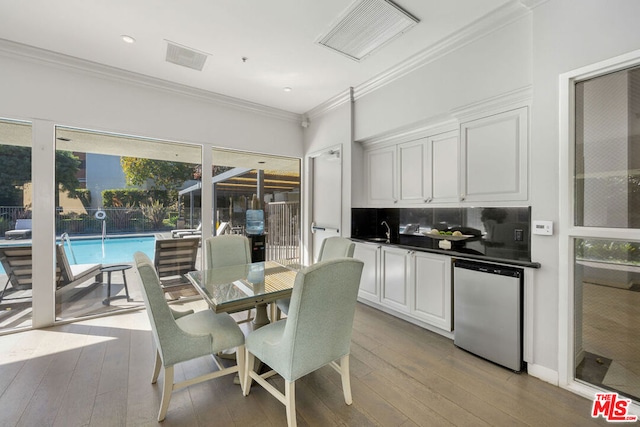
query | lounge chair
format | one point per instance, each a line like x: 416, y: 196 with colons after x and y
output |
x: 17, y: 263
x: 22, y: 230
x: 181, y: 232
x: 197, y: 232
x: 174, y: 258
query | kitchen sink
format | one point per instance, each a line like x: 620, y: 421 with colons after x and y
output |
x: 377, y: 239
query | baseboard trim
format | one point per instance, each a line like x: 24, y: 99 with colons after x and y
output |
x: 544, y: 374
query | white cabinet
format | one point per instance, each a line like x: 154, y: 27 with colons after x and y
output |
x: 394, y: 281
x: 444, y: 168
x: 380, y: 167
x: 422, y: 171
x: 410, y: 284
x: 414, y: 182
x: 486, y: 160
x: 494, y: 157
x: 430, y: 280
x: 369, y: 283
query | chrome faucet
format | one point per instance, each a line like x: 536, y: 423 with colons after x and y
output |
x: 388, y: 233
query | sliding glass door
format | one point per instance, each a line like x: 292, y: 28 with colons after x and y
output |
x: 606, y: 219
x: 116, y: 195
x: 15, y: 225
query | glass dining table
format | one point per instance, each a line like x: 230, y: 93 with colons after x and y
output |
x: 243, y: 287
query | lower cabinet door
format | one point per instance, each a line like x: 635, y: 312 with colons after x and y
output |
x: 394, y: 278
x: 431, y: 289
x: 369, y: 283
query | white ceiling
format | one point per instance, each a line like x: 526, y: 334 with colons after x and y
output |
x: 276, y: 36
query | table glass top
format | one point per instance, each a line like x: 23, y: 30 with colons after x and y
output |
x: 246, y: 283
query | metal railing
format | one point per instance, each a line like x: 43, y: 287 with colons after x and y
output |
x: 115, y: 220
x: 283, y: 230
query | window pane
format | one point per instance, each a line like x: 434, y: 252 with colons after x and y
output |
x: 607, y: 151
x: 607, y: 312
x: 259, y: 196
x: 118, y: 195
x: 15, y: 224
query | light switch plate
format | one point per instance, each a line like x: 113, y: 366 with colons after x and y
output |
x: 544, y: 228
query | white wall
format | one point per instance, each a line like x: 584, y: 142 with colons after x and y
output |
x: 74, y: 97
x: 498, y: 63
x: 567, y: 35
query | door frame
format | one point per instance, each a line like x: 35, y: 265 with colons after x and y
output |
x: 310, y: 159
x: 568, y: 232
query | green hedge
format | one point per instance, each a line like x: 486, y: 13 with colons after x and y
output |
x: 136, y: 197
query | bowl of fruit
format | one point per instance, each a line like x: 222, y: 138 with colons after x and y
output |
x: 453, y: 236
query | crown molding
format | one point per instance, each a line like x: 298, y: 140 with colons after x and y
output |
x: 431, y: 126
x: 532, y: 4
x: 331, y: 104
x: 493, y: 21
x: 65, y: 62
x: 502, y: 102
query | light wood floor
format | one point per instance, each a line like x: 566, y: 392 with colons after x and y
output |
x: 97, y: 372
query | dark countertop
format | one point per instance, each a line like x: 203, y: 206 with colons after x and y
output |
x: 454, y: 252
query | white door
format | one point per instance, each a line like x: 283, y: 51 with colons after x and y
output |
x: 326, y: 205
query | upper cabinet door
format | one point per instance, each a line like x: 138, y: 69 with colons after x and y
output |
x: 381, y: 176
x: 444, y: 170
x: 494, y: 157
x: 414, y: 184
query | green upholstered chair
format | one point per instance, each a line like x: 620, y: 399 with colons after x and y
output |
x: 316, y: 333
x: 331, y: 248
x: 182, y: 336
x: 227, y: 250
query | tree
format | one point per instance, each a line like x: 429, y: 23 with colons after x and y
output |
x: 16, y: 171
x: 158, y: 174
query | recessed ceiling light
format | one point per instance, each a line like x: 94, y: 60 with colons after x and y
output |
x: 128, y: 39
x: 287, y: 89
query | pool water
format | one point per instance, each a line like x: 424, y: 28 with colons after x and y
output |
x: 117, y: 250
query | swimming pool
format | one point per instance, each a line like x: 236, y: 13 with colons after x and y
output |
x: 117, y: 250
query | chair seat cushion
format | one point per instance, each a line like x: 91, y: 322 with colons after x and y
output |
x: 263, y: 344
x: 224, y: 331
x: 283, y: 305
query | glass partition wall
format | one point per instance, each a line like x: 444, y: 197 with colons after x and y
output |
x: 607, y: 203
x: 117, y: 195
x: 258, y: 196
x: 15, y: 225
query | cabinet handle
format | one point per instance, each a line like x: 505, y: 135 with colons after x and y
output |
x: 395, y: 201
x: 462, y: 197
x: 428, y: 199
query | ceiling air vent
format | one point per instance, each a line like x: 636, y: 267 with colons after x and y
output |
x: 367, y: 26
x: 187, y: 57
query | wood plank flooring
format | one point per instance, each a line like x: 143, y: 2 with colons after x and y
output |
x: 97, y: 373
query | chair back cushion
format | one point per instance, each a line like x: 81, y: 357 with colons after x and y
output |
x: 175, y: 257
x: 165, y: 330
x: 336, y: 247
x: 320, y: 320
x: 227, y: 250
x: 63, y: 269
x: 23, y: 224
x: 17, y: 264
